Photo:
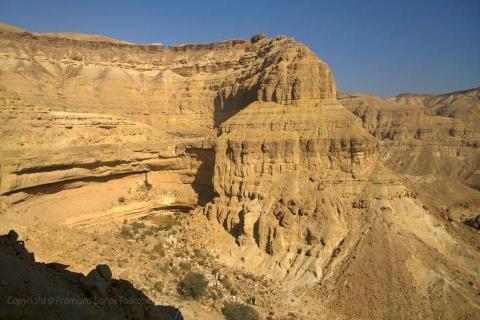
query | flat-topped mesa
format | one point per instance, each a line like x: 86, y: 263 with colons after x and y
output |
x: 187, y: 79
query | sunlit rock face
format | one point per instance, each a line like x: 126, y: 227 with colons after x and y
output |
x: 90, y: 107
x: 432, y: 140
x: 357, y: 199
x: 285, y: 177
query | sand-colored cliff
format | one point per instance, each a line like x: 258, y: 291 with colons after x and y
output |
x: 348, y: 207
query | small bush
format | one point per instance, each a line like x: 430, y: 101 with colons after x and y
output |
x: 121, y: 199
x: 233, y: 291
x: 238, y: 311
x: 158, y: 286
x: 217, y: 295
x: 227, y: 284
x: 136, y: 226
x: 257, y: 37
x: 126, y: 233
x: 193, y: 285
x: 159, y: 249
x: 185, y: 266
x: 250, y: 276
x: 149, y: 232
x: 197, y: 253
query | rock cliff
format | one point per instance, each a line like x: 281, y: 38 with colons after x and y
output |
x: 433, y: 141
x: 276, y: 170
x: 92, y: 108
x: 353, y: 201
x: 311, y: 197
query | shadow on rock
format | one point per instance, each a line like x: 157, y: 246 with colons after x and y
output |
x: 34, y: 290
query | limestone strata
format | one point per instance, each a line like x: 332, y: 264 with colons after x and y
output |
x: 278, y: 171
x: 79, y: 107
x: 49, y: 148
x: 432, y: 141
x: 178, y: 89
x: 360, y: 208
x: 308, y: 201
x: 446, y: 123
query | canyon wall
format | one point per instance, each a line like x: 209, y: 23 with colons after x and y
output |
x: 432, y: 140
x: 360, y: 200
x: 79, y: 108
x: 313, y: 195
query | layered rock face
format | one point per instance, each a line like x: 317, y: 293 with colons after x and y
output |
x: 181, y: 86
x: 338, y: 202
x: 431, y: 140
x: 422, y: 121
x: 277, y: 171
x: 95, y: 107
x: 50, y: 152
x: 305, y: 193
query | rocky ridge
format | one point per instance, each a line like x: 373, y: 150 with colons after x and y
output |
x: 430, y: 140
x: 167, y: 101
x: 318, y: 193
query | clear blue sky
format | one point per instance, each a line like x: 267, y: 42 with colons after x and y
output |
x: 383, y: 47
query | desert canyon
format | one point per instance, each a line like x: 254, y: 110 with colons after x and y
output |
x: 240, y: 161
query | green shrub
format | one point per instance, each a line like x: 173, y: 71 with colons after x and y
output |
x: 149, y: 232
x: 193, y: 285
x: 229, y: 286
x: 198, y: 253
x: 185, y: 266
x: 238, y: 311
x: 152, y: 257
x: 159, y: 249
x: 125, y: 232
x: 233, y: 291
x: 217, y: 295
x: 136, y: 226
x: 250, y: 276
x: 158, y: 286
x: 257, y: 37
